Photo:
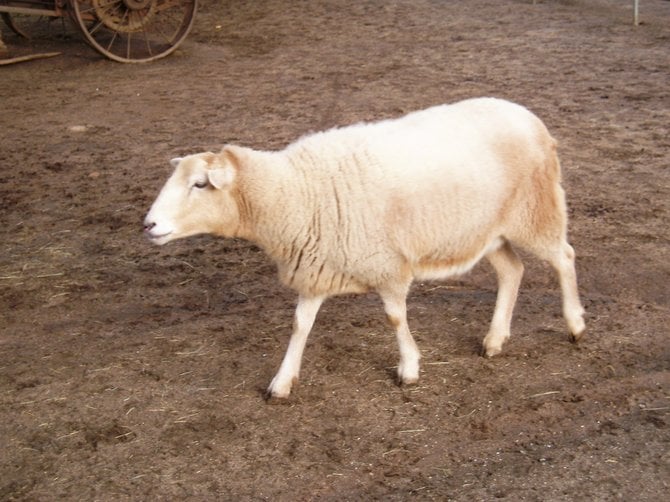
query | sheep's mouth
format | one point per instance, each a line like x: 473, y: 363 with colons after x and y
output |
x: 159, y: 239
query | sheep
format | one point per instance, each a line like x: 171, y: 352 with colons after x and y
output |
x: 375, y: 206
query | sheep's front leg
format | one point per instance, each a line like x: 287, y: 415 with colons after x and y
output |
x: 288, y: 373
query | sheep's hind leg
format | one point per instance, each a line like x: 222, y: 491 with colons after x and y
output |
x: 396, y: 310
x: 509, y: 270
x: 288, y: 373
x: 563, y: 261
x: 560, y: 254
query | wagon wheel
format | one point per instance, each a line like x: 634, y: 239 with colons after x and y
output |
x: 134, y: 31
x: 11, y: 23
x: 31, y: 26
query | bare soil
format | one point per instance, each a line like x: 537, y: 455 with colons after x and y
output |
x: 132, y: 372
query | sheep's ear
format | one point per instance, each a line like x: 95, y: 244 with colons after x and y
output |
x: 234, y: 155
x: 221, y: 177
x: 175, y: 162
x: 231, y: 160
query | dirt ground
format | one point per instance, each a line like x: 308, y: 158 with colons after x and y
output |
x: 133, y: 372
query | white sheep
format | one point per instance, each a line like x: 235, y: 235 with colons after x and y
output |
x: 373, y: 206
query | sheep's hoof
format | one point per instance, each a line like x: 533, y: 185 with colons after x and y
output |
x: 403, y: 382
x: 576, y: 337
x: 277, y: 391
x: 273, y: 394
x: 490, y: 351
x: 408, y: 373
x: 271, y: 399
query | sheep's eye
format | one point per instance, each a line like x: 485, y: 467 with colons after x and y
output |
x: 200, y: 184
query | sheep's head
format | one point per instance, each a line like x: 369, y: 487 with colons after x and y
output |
x: 199, y: 198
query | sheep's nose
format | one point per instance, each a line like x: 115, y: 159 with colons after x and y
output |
x: 148, y: 226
